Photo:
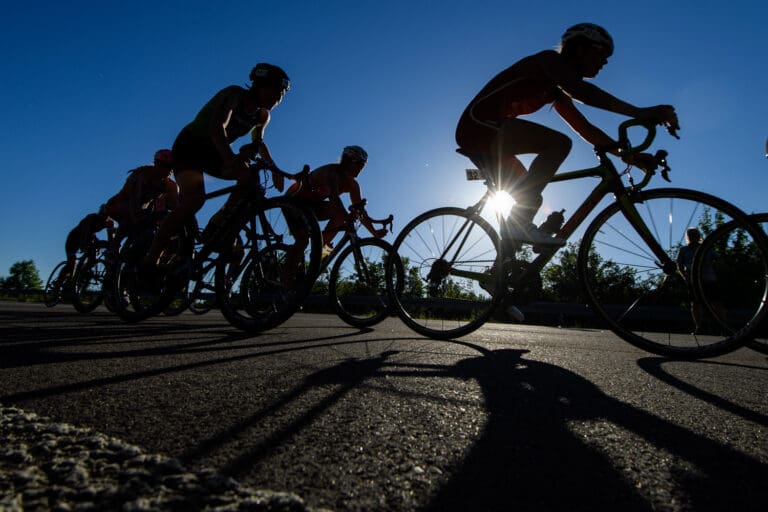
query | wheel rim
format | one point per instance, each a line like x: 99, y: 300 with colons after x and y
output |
x: 646, y: 304
x: 359, y: 288
x: 450, y: 288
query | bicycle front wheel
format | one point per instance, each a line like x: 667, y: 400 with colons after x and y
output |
x: 261, y: 283
x: 357, y: 284
x: 642, y: 295
x: 89, y: 284
x: 53, y: 287
x: 453, y: 278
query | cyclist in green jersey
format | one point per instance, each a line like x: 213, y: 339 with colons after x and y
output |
x: 203, y: 146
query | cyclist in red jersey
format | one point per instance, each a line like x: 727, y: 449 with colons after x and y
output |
x: 203, y: 146
x: 492, y: 127
x: 325, y: 186
x: 144, y: 184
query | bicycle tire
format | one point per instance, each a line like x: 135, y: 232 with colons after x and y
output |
x: 88, y: 284
x: 443, y: 298
x: 358, y: 288
x: 745, y: 280
x: 52, y: 290
x: 650, y: 307
x: 135, y: 302
x: 255, y: 292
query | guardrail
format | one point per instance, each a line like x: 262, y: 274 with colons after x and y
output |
x: 22, y: 294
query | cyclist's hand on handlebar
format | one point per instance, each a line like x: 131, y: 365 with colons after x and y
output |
x: 664, y: 115
x: 277, y: 177
x: 249, y: 151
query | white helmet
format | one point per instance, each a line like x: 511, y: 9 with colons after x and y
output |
x: 590, y: 31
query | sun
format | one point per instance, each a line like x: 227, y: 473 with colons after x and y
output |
x: 501, y: 203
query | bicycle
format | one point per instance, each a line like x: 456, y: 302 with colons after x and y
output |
x: 54, y: 289
x: 250, y: 284
x: 356, y: 284
x: 201, y: 299
x: 88, y: 277
x: 84, y: 287
x: 738, y: 285
x: 459, y: 271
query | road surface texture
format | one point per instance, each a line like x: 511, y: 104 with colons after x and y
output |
x: 181, y: 413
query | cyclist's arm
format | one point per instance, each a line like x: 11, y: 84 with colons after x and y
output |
x: 585, y: 92
x: 334, y: 190
x: 356, y: 197
x: 580, y: 124
x: 576, y: 87
x: 217, y: 127
x: 261, y: 148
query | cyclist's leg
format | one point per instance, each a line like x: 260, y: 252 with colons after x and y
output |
x: 71, y: 247
x: 191, y: 199
x: 518, y: 137
x: 335, y: 215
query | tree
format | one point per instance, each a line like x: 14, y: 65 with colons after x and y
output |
x: 23, y: 275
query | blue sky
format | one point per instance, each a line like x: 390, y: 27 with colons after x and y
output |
x: 90, y: 89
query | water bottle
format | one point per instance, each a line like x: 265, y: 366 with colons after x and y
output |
x: 553, y: 223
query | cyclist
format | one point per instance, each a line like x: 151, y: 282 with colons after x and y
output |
x: 203, y: 146
x: 148, y: 183
x: 709, y: 280
x: 82, y: 236
x: 492, y: 128
x: 325, y: 186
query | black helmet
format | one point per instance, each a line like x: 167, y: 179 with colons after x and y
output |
x: 355, y: 153
x: 591, y: 32
x: 268, y: 74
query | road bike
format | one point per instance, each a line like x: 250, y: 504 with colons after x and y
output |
x: 199, y: 296
x: 84, y: 287
x: 245, y: 244
x: 356, y: 284
x: 459, y: 270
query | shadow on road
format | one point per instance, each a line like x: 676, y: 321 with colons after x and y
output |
x: 655, y: 367
x: 529, y: 457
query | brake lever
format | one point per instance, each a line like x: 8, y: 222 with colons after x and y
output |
x: 661, y: 160
x: 673, y: 132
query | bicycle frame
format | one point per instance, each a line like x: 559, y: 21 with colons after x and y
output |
x: 610, y: 183
x: 350, y: 237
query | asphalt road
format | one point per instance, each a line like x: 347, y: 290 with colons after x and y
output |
x: 510, y: 418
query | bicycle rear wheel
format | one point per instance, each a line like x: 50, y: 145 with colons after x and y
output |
x: 451, y: 286
x: 52, y: 290
x: 727, y: 246
x: 262, y: 283
x: 88, y: 284
x: 136, y: 299
x: 649, y: 302
x: 357, y: 285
